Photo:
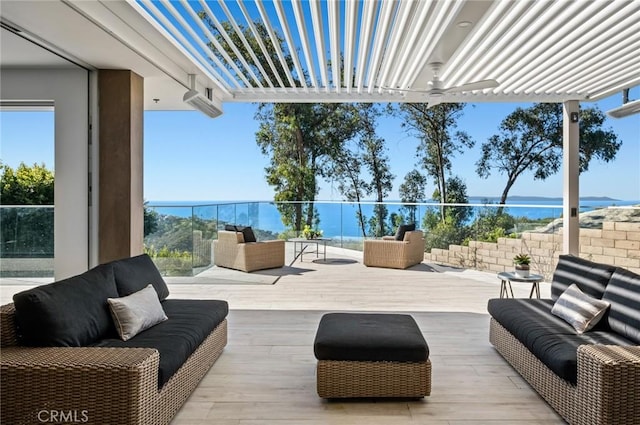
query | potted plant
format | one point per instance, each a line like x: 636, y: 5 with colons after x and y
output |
x: 310, y: 233
x: 522, y: 262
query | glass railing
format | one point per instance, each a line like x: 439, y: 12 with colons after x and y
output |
x: 180, y: 237
x: 26, y: 241
x: 348, y: 224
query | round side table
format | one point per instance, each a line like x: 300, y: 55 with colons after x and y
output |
x: 507, y: 277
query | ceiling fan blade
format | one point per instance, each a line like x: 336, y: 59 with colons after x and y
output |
x: 433, y: 103
x: 476, y: 85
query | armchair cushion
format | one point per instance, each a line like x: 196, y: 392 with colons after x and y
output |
x: 247, y: 232
x: 404, y: 228
x: 69, y: 313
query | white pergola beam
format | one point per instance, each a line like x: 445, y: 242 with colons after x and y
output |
x: 351, y: 23
x: 263, y: 48
x: 318, y: 33
x: 305, y: 41
x: 333, y: 17
x: 284, y: 25
x: 274, y: 42
x: 245, y: 42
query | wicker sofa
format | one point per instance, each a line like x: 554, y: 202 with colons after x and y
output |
x: 589, y: 378
x: 58, y: 369
x: 396, y: 254
x: 231, y: 251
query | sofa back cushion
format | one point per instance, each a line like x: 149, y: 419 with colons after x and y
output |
x: 623, y: 292
x: 590, y: 277
x: 135, y: 273
x: 69, y: 313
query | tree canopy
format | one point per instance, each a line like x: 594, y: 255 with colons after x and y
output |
x: 436, y: 129
x: 531, y: 139
x: 26, y: 185
x: 300, y: 139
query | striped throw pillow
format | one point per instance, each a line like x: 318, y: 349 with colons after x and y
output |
x: 580, y: 310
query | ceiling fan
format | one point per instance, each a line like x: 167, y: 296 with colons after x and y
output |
x: 437, y: 89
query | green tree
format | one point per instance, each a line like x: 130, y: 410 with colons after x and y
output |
x: 531, y: 139
x: 26, y: 231
x: 347, y: 172
x: 412, y: 190
x: 456, y: 194
x: 300, y: 139
x: 435, y: 127
x: 376, y: 161
x: 151, y: 219
x: 452, y: 228
x: 26, y: 185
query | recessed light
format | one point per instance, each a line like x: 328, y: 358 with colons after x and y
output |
x: 465, y: 24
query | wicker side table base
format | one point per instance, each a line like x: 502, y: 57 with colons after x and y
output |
x: 354, y: 379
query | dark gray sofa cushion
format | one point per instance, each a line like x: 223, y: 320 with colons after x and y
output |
x: 552, y: 340
x: 623, y: 292
x: 135, y: 273
x: 189, y: 323
x: 69, y: 313
x: 370, y: 337
x: 591, y: 278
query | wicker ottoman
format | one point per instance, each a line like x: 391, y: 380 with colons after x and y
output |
x: 371, y: 355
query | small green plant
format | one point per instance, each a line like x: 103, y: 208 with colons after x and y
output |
x: 522, y: 260
x: 310, y: 233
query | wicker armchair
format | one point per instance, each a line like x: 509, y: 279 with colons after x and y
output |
x: 231, y: 251
x: 395, y: 254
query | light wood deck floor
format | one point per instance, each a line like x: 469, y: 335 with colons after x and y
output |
x: 266, y: 373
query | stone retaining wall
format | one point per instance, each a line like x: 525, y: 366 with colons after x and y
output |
x: 616, y: 243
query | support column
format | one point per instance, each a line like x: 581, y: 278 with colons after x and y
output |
x: 571, y: 177
x: 121, y: 217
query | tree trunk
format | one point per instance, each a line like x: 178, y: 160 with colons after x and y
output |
x: 441, y: 182
x: 380, y: 198
x: 302, y: 163
x: 505, y: 193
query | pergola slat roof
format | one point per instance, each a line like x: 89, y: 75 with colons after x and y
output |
x: 537, y: 50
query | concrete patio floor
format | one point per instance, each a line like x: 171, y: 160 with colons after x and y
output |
x: 266, y: 374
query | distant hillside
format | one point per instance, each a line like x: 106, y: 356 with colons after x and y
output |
x: 545, y: 198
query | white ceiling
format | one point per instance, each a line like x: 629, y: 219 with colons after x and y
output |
x: 537, y: 50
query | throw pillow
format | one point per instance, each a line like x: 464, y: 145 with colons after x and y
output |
x: 230, y: 228
x: 136, y: 312
x: 404, y: 228
x: 580, y: 310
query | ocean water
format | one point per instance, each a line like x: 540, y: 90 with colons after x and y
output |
x: 340, y: 219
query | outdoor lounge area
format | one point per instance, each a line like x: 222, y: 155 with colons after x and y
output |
x: 102, y: 69
x: 266, y: 373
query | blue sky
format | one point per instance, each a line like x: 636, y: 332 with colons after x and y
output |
x: 190, y: 157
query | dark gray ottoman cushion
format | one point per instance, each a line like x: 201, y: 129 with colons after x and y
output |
x: 370, y: 337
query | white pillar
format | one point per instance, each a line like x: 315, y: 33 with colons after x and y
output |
x: 571, y: 177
